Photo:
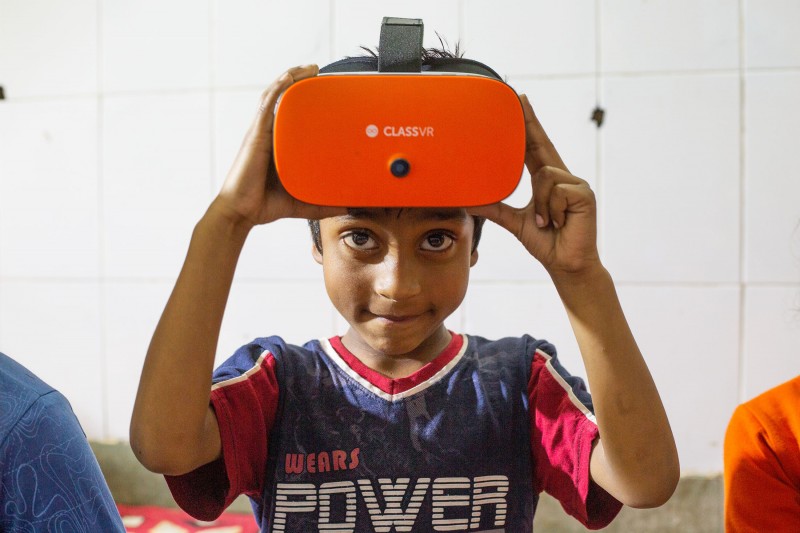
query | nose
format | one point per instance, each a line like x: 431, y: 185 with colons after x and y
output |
x: 398, y: 278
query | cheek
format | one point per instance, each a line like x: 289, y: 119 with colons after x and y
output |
x: 345, y: 282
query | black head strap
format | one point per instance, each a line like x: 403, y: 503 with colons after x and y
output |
x: 400, y: 47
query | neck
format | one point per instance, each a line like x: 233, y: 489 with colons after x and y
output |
x: 397, y: 365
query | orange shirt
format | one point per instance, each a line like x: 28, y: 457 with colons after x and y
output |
x: 762, y: 463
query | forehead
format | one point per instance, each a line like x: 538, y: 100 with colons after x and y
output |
x: 410, y: 214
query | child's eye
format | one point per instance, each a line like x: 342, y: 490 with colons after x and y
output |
x: 359, y: 240
x: 437, y: 241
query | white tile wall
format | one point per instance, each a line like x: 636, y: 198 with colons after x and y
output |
x: 256, y: 40
x: 297, y: 311
x: 521, y: 37
x: 49, y: 188
x: 156, y: 180
x: 48, y: 48
x: 772, y: 187
x: 771, y: 337
x: 121, y: 120
x: 276, y: 251
x: 660, y: 35
x: 671, y: 178
x: 130, y: 312
x: 689, y: 338
x: 564, y: 108
x: 53, y: 328
x: 154, y: 45
x: 771, y: 36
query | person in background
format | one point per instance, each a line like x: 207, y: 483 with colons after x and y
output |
x: 49, y: 478
x: 762, y: 463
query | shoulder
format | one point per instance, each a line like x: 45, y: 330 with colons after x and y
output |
x: 20, y: 390
x: 263, y: 352
x: 773, y: 411
x: 524, y: 345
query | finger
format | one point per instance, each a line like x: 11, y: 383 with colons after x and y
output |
x: 568, y: 199
x: 266, y: 109
x: 539, y: 149
x: 544, y: 180
x: 503, y: 215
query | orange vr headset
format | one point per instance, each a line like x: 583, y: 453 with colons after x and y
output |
x: 390, y: 131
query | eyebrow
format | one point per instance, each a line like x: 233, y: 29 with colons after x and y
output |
x: 423, y: 214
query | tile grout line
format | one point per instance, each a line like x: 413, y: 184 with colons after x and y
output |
x: 212, y: 148
x: 742, y: 337
x: 101, y: 285
x: 598, y: 95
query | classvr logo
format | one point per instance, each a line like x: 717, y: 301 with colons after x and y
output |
x: 400, y: 131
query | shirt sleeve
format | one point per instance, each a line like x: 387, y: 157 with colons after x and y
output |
x: 753, y: 466
x: 245, y: 400
x: 563, y: 430
x: 49, y: 477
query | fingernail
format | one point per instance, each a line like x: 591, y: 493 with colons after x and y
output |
x: 555, y: 224
x: 540, y: 221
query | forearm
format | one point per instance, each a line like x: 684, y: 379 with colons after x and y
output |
x: 637, y: 460
x: 172, y: 428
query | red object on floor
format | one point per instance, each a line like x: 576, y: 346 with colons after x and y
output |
x: 149, y: 519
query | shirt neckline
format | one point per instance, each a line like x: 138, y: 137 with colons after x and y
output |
x: 393, y: 387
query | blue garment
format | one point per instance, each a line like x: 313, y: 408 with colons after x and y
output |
x: 49, y: 478
x: 321, y: 442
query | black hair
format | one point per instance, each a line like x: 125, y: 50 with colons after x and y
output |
x: 430, y: 57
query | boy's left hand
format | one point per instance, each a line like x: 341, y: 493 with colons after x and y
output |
x: 558, y: 226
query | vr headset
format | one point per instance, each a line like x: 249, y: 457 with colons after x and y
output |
x: 388, y: 131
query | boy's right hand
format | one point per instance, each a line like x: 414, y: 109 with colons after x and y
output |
x: 251, y: 196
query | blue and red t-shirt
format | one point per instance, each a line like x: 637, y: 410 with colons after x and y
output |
x: 320, y: 442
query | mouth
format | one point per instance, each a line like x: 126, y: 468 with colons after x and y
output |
x: 396, y: 319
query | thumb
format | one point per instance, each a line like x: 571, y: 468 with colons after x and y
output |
x: 501, y: 214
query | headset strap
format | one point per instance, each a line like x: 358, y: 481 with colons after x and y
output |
x: 400, y: 47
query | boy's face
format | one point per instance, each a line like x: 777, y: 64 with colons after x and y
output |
x: 395, y: 275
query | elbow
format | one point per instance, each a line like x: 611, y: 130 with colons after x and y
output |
x: 657, y: 491
x: 153, y: 452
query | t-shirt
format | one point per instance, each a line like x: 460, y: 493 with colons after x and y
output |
x: 320, y: 442
x: 49, y: 478
x: 762, y: 463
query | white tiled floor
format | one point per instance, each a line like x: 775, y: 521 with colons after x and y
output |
x: 670, y: 178
x: 48, y: 191
x: 48, y: 48
x: 772, y: 212
x: 669, y: 35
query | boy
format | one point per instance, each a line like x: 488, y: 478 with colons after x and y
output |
x: 400, y: 424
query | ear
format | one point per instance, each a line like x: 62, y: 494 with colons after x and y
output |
x: 316, y: 254
x: 473, y: 258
